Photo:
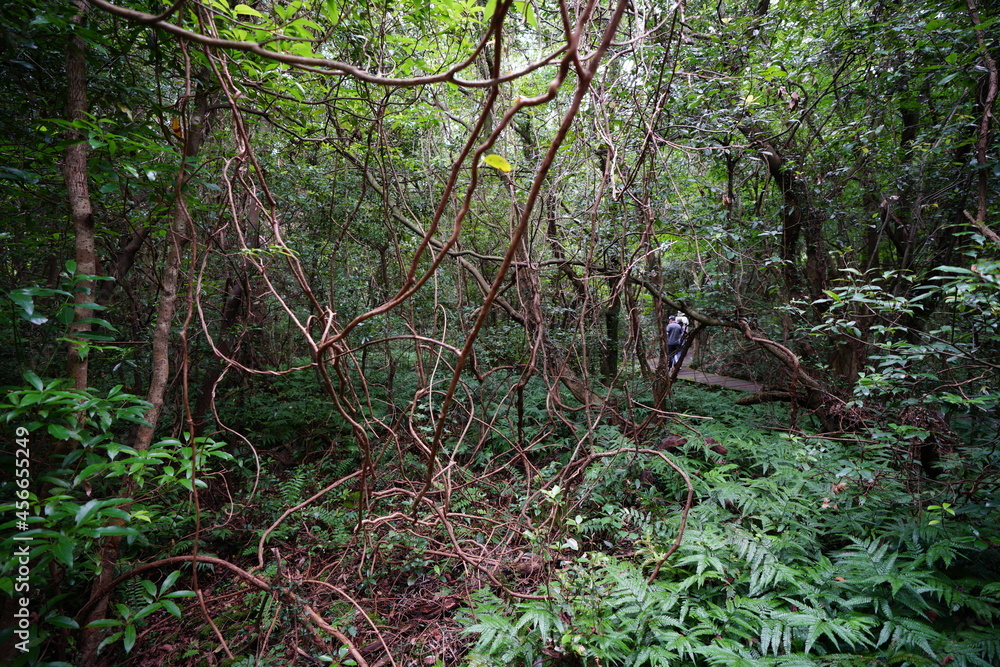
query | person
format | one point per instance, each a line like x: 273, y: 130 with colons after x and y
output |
x: 683, y: 321
x: 675, y: 339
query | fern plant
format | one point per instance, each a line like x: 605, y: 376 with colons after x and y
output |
x: 798, y: 551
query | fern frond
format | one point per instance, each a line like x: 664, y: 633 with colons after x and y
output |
x: 909, y: 633
x: 654, y: 656
x: 979, y: 648
x: 291, y: 489
x: 540, y: 619
x: 728, y: 653
x: 494, y: 632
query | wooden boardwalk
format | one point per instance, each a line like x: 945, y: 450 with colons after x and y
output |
x: 702, y: 377
x: 719, y: 380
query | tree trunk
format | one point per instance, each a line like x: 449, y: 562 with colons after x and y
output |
x: 126, y: 258
x: 609, y: 361
x: 166, y: 308
x: 78, y: 193
x: 799, y: 221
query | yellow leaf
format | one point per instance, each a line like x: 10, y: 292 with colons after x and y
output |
x: 249, y: 11
x: 498, y: 162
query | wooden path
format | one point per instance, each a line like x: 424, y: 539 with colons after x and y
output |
x: 702, y: 377
x: 719, y: 380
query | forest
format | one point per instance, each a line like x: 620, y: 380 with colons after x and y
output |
x: 333, y: 333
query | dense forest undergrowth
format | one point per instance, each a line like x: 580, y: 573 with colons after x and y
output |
x: 774, y: 545
x: 334, y: 333
x: 797, y: 548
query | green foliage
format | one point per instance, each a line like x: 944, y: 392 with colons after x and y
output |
x: 60, y: 304
x: 802, y: 553
x: 286, y: 411
x: 141, y: 598
x: 65, y: 511
x: 905, y: 364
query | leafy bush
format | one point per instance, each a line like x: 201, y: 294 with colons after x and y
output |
x: 72, y: 505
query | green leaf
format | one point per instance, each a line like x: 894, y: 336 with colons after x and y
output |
x: 169, y: 581
x: 772, y: 72
x: 63, y: 622
x: 129, y: 638
x: 92, y: 469
x: 528, y: 10
x: 172, y: 608
x: 109, y: 640
x: 33, y: 380
x: 116, y: 513
x: 90, y: 335
x: 125, y: 531
x: 147, y: 610
x: 98, y: 321
x: 59, y: 432
x: 149, y: 586
x: 832, y: 295
x: 65, y: 315
x: 180, y: 594
x: 303, y: 26
x: 87, y: 510
x: 498, y: 162
x: 62, y: 550
x: 331, y: 10
x: 249, y: 11
x: 985, y: 24
x: 24, y: 300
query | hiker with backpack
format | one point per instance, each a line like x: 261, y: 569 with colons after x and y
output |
x: 675, y: 340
